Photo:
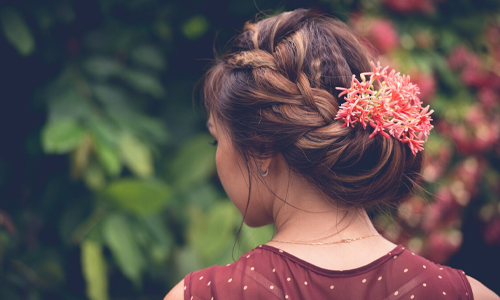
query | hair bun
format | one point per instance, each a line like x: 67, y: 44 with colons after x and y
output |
x: 275, y: 93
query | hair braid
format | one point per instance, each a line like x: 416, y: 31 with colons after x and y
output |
x: 275, y: 93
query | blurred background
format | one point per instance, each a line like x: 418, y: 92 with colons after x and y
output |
x: 108, y: 187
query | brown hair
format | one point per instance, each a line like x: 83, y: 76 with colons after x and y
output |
x: 274, y: 92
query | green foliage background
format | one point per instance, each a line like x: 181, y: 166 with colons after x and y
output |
x: 108, y: 187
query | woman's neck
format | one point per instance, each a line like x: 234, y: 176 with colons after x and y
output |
x: 305, y: 214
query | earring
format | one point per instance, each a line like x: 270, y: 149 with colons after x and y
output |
x: 265, y: 173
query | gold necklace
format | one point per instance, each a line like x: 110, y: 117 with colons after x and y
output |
x: 342, y: 241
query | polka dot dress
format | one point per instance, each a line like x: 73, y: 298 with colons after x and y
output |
x: 270, y: 273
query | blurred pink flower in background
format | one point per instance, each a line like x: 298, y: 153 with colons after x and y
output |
x: 426, y: 83
x: 458, y: 170
x: 443, y: 212
x: 424, y: 39
x: 479, y: 131
x: 468, y: 172
x: 436, y: 163
x: 492, y: 37
x: 474, y: 72
x: 459, y: 57
x: 411, y: 6
x: 411, y: 211
x: 383, y: 35
x: 488, y: 97
x: 441, y: 245
x: 491, y: 232
x: 379, y: 33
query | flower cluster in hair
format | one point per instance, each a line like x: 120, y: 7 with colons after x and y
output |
x: 394, y: 108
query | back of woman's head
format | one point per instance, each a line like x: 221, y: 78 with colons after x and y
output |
x: 274, y: 94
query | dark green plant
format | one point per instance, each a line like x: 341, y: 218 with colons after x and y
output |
x: 108, y: 187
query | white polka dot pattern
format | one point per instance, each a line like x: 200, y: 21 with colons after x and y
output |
x: 287, y: 277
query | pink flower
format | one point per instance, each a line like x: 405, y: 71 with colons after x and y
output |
x: 473, y: 72
x: 491, y: 232
x: 426, y: 84
x: 467, y: 174
x: 436, y: 163
x: 444, y: 211
x: 488, y: 97
x: 479, y: 133
x: 383, y: 36
x: 410, y: 6
x: 441, y: 245
x: 393, y: 109
x: 459, y: 57
x: 377, y: 33
x: 491, y: 35
x: 424, y: 39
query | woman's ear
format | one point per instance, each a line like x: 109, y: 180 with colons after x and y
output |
x: 263, y: 165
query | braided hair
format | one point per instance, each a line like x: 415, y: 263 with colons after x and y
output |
x: 274, y: 93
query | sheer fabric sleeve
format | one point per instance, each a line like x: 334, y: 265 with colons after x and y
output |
x: 269, y: 273
x: 234, y: 281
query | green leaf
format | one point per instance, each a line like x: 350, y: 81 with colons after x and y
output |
x: 161, y: 238
x: 163, y: 30
x: 448, y: 39
x: 103, y: 130
x: 448, y: 76
x: 212, y: 234
x: 124, y: 248
x: 195, y: 162
x: 195, y: 27
x: 102, y: 66
x: 144, y: 82
x: 151, y: 128
x: 113, y: 98
x: 94, y: 270
x: 140, y: 197
x: 81, y: 156
x: 61, y: 136
x: 423, y: 61
x: 94, y: 177
x: 66, y: 103
x: 136, y: 156
x: 149, y: 56
x: 48, y: 268
x: 202, y: 195
x: 16, y: 31
x: 187, y: 261
x: 108, y: 157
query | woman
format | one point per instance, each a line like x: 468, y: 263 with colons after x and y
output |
x: 296, y: 148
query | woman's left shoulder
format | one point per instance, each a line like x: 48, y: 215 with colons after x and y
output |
x: 469, y: 284
x: 223, y: 280
x: 480, y: 291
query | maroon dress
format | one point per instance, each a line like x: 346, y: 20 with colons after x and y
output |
x: 270, y: 273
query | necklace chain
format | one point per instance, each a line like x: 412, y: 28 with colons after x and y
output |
x: 342, y: 241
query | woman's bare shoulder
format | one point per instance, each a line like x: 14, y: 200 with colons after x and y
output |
x: 177, y: 292
x: 481, y: 292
